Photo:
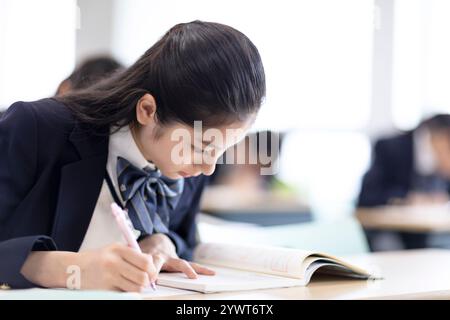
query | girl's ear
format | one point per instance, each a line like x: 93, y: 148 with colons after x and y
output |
x: 146, y: 109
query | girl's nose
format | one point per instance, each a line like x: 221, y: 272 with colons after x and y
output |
x: 208, y: 169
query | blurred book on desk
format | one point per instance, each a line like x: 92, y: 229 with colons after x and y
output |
x: 262, y: 208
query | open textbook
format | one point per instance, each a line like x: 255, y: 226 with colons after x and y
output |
x: 240, y: 267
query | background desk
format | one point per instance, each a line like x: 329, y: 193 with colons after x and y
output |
x: 416, y: 274
x: 412, y: 227
x: 261, y: 208
x: 411, y: 219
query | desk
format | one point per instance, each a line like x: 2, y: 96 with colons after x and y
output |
x: 415, y: 274
x: 421, y: 219
x: 261, y: 208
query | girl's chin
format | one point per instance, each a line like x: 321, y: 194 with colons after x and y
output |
x: 183, y: 174
x: 176, y: 175
x: 173, y: 175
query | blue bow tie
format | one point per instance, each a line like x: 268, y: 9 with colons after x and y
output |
x: 149, y: 196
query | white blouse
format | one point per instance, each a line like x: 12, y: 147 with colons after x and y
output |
x: 103, y: 229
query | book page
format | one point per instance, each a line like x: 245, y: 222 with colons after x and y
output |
x: 162, y: 292
x: 227, y: 280
x: 271, y: 260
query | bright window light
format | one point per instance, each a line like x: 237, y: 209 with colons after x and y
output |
x: 421, y: 60
x: 317, y: 53
x: 37, y: 47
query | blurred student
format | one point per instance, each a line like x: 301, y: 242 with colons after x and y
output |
x: 249, y: 178
x: 88, y: 73
x: 410, y: 168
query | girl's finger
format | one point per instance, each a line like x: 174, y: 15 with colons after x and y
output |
x: 140, y: 260
x: 127, y: 285
x: 202, y: 269
x: 134, y: 274
x: 158, y: 261
x: 182, y: 266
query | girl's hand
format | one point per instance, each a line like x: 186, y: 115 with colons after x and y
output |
x: 115, y: 267
x: 165, y: 257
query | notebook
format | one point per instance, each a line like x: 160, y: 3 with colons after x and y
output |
x: 245, y: 267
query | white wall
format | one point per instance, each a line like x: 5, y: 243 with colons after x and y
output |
x: 94, y: 34
x: 37, y: 47
x: 421, y: 60
x: 317, y: 54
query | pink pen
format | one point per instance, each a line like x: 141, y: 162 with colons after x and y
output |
x: 119, y: 214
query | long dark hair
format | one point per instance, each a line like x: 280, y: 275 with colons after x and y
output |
x: 438, y: 122
x: 196, y: 71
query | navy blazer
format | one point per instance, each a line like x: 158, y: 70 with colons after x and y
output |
x: 392, y: 174
x: 51, y: 171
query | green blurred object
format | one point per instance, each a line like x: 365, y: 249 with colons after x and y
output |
x: 282, y: 188
x: 344, y: 236
x: 341, y: 237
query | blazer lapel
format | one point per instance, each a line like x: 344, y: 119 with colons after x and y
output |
x: 79, y: 189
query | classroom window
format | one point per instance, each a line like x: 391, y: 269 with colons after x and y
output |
x: 421, y: 60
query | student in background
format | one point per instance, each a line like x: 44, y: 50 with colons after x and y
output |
x: 88, y: 73
x: 66, y: 159
x: 412, y: 168
x: 252, y: 182
x: 247, y: 175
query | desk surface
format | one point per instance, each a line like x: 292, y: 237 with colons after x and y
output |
x: 412, y: 219
x: 216, y: 200
x: 416, y: 274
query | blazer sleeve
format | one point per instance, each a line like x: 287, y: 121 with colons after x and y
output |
x: 184, y: 237
x: 18, y: 169
x: 377, y: 187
